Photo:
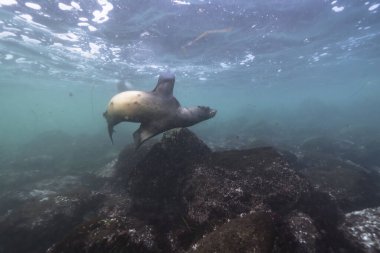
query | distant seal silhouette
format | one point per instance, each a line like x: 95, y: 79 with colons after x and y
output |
x: 157, y: 110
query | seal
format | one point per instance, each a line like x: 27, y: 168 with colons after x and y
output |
x: 157, y: 111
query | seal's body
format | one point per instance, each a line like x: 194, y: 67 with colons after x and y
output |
x: 157, y: 111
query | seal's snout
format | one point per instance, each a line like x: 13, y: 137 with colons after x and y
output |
x: 206, y: 112
x: 213, y: 112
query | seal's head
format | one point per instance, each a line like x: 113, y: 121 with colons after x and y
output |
x: 205, y: 112
x: 193, y: 115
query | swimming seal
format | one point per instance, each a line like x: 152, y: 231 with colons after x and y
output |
x: 157, y: 111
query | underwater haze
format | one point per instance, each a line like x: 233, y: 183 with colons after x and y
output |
x: 277, y: 71
x: 289, y: 163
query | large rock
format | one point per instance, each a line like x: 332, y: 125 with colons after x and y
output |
x: 363, y: 229
x: 341, y: 169
x: 328, y: 146
x: 365, y: 153
x: 352, y: 186
x: 180, y: 192
x: 303, y: 233
x: 370, y: 155
x: 184, y: 189
x: 111, y: 234
x: 157, y: 181
x: 252, y: 233
x: 234, y: 182
x: 177, y: 195
x: 42, y: 218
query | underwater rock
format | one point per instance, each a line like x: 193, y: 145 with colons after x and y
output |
x: 176, y: 196
x: 107, y: 171
x: 37, y: 191
x: 327, y: 146
x: 112, y: 234
x: 11, y: 179
x: 234, y: 182
x: 185, y: 190
x: 370, y: 155
x: 362, y: 134
x: 363, y: 228
x: 365, y: 154
x: 352, y: 186
x: 251, y: 233
x: 43, y: 219
x: 303, y: 233
x: 158, y: 179
x: 182, y: 191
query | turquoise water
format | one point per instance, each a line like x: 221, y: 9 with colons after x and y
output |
x: 283, y: 71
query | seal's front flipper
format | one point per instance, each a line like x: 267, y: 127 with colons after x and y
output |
x: 165, y: 85
x: 145, y: 132
x: 121, y: 86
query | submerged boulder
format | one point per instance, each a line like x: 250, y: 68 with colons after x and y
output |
x: 253, y: 232
x: 185, y: 190
x: 352, y: 186
x: 42, y: 218
x: 157, y: 181
x: 303, y: 233
x: 235, y: 182
x: 178, y: 196
x: 341, y: 169
x: 363, y: 229
x: 184, y: 197
x: 112, y: 234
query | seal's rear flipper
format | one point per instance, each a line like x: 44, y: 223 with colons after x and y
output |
x: 110, y: 131
x: 145, y: 132
x: 110, y: 125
